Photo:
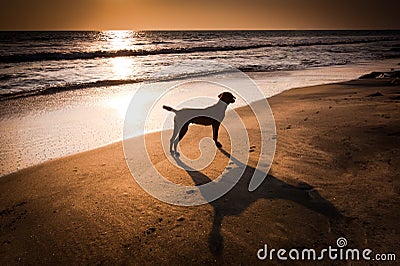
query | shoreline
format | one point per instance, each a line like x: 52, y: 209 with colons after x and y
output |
x: 49, y: 121
x: 116, y: 83
x: 334, y: 175
x: 117, y: 142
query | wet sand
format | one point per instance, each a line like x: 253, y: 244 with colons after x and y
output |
x: 37, y: 129
x: 335, y: 174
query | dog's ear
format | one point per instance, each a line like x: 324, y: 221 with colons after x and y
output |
x: 220, y: 95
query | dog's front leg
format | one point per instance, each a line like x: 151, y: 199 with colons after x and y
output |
x: 215, y: 127
x: 173, y: 138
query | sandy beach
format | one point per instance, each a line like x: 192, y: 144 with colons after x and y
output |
x: 335, y: 174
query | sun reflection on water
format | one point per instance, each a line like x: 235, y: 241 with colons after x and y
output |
x: 123, y: 67
x: 120, y: 39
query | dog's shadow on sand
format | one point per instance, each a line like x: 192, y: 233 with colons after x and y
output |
x: 239, y: 198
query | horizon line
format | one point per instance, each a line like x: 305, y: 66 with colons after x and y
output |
x: 217, y: 29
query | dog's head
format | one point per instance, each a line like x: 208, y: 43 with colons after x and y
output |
x: 227, y: 97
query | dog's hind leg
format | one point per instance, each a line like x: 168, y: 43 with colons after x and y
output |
x: 173, y: 138
x: 182, y: 133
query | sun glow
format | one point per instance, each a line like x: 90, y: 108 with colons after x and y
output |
x: 119, y: 103
x: 122, y: 67
x: 119, y: 39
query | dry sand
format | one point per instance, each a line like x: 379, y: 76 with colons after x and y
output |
x: 335, y: 174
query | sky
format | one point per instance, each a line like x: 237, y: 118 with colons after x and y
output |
x: 196, y: 14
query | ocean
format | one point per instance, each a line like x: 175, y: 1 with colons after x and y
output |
x: 66, y: 92
x: 33, y: 62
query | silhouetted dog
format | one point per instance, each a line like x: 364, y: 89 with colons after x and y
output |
x: 212, y: 115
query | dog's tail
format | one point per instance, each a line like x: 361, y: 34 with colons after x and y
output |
x: 169, y: 108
